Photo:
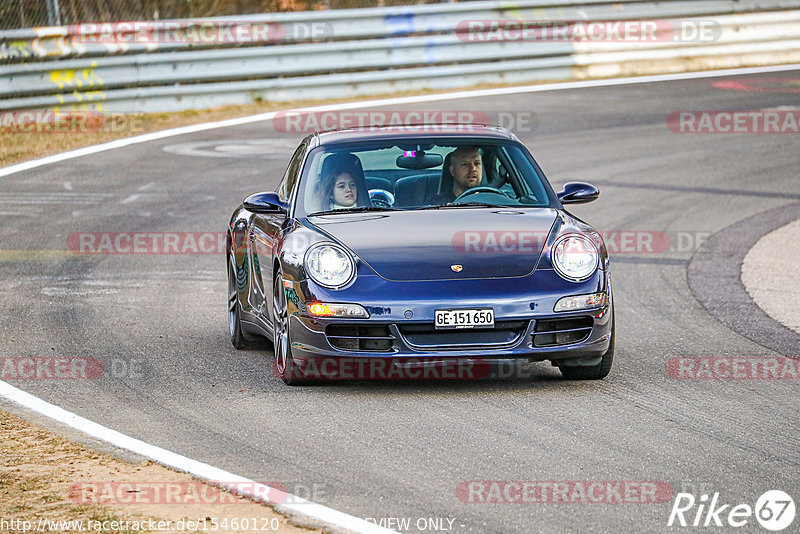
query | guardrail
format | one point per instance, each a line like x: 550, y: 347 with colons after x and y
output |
x: 171, y: 65
x: 87, y: 38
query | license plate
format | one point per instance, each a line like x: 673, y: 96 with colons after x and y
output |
x: 468, y: 318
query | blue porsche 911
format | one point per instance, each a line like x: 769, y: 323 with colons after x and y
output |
x: 416, y: 245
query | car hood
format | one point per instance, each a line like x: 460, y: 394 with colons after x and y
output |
x: 444, y: 244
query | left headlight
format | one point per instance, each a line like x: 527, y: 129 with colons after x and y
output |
x: 575, y: 257
x: 329, y: 265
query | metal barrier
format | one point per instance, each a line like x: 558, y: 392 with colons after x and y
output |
x: 172, y: 65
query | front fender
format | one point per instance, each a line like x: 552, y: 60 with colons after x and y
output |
x: 566, y: 223
x: 292, y: 250
x: 240, y: 257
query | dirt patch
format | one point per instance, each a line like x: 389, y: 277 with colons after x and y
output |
x: 22, y: 141
x: 48, y: 484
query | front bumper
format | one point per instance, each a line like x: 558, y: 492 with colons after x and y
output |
x: 400, y: 325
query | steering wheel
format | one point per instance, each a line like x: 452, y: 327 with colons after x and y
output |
x: 381, y: 198
x: 479, y: 189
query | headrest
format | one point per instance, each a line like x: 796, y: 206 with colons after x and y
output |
x: 344, y: 162
x: 446, y: 184
x: 350, y: 164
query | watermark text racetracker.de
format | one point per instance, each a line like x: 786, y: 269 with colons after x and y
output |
x: 50, y: 368
x: 147, y: 242
x: 69, y: 368
x: 733, y: 368
x: 615, y: 241
x: 735, y: 122
x: 190, y: 492
x: 564, y: 492
x: 635, y: 31
x: 346, y: 368
x: 197, y: 32
x: 304, y: 122
x: 48, y: 121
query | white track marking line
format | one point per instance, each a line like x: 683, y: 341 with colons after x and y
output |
x: 37, y: 202
x: 561, y: 86
x: 130, y: 199
x: 136, y: 196
x: 235, y: 483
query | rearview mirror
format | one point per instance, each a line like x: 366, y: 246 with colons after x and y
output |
x: 417, y: 159
x: 578, y: 193
x: 265, y: 203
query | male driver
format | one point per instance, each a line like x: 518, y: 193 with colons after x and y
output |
x: 466, y: 168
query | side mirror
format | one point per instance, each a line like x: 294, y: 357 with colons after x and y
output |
x: 265, y: 203
x: 578, y: 193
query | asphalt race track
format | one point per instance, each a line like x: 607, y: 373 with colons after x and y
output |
x: 401, y: 449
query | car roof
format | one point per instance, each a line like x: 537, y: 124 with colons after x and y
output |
x: 422, y: 131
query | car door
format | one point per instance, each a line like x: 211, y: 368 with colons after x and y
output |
x: 267, y: 234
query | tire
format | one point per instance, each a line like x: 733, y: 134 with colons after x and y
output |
x: 234, y: 312
x: 285, y: 366
x: 593, y: 372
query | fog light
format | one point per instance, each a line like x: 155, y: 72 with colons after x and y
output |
x: 323, y: 309
x: 580, y: 302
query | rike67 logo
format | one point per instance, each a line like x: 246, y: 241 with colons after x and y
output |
x: 774, y: 510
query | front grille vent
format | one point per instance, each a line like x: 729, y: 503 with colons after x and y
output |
x: 504, y: 333
x: 360, y: 337
x: 555, y: 332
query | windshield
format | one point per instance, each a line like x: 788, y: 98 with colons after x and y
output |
x: 407, y: 175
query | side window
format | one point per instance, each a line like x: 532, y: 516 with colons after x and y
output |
x: 497, y: 173
x: 289, y: 179
x: 505, y: 180
x: 504, y: 176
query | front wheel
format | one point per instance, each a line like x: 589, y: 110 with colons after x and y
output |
x: 234, y: 313
x: 285, y: 366
x: 593, y: 372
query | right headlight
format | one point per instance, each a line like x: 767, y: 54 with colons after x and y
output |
x: 575, y: 257
x: 329, y: 265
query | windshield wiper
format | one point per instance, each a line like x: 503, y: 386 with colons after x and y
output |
x: 354, y: 210
x: 480, y: 204
x: 472, y: 204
